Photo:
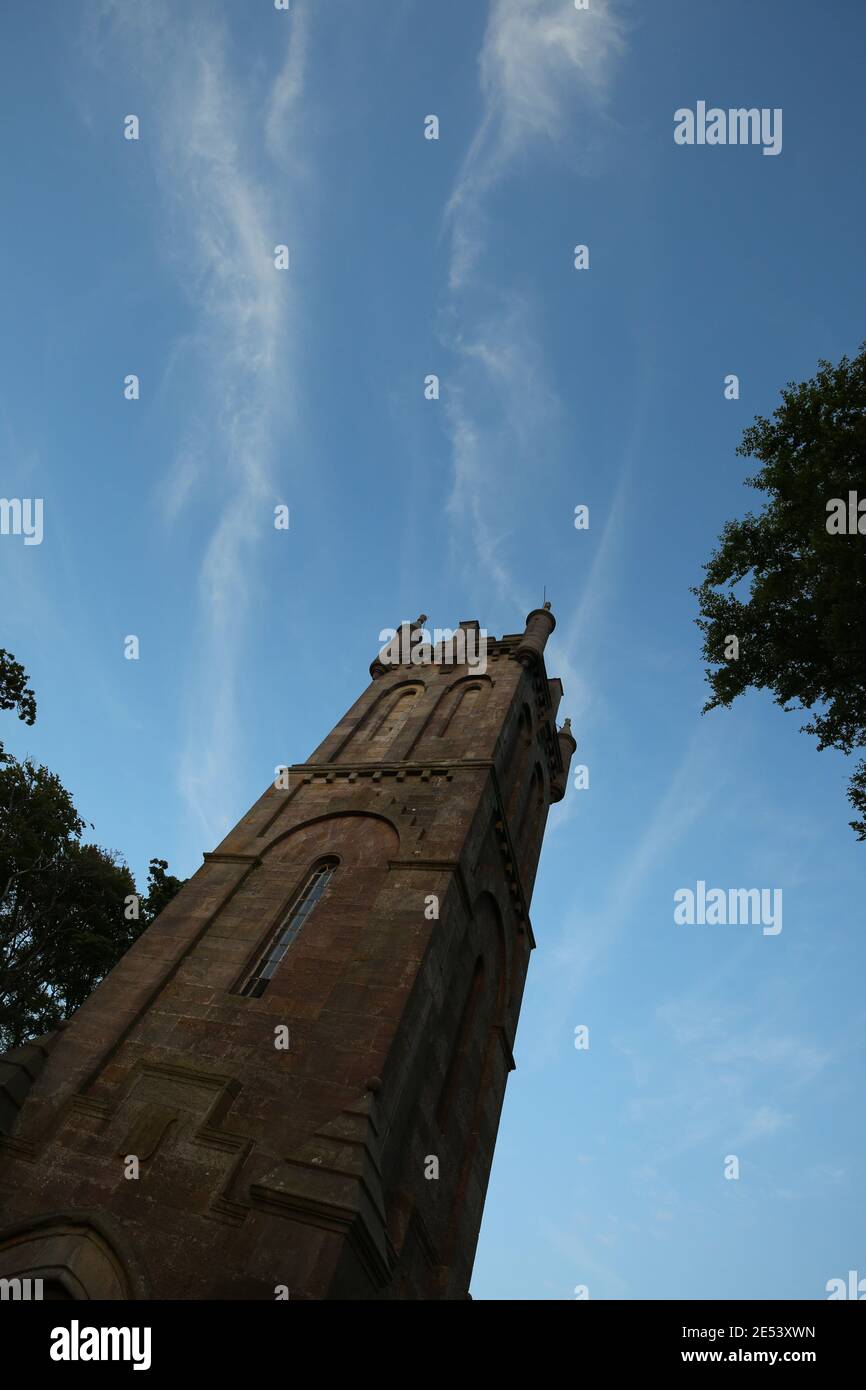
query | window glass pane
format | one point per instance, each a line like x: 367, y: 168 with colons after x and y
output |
x: 305, y: 902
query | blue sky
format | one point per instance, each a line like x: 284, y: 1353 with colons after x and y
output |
x: 558, y: 387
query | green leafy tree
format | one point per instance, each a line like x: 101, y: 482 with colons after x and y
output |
x: 14, y: 691
x: 801, y: 625
x: 62, y: 923
x: 161, y: 888
x: 67, y: 909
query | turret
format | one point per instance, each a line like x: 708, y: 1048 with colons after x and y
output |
x: 539, y: 625
x: 567, y: 746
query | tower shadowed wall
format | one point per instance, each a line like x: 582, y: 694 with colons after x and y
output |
x: 306, y: 1054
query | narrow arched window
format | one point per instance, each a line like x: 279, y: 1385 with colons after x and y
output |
x: 257, y: 982
x: 464, y: 699
x: 394, y: 716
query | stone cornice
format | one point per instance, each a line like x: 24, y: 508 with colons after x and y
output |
x: 224, y: 856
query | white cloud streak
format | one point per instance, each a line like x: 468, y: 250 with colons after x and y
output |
x: 537, y: 58
x: 214, y: 129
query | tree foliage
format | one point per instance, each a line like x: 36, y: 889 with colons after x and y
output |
x: 161, y: 888
x: 14, y: 691
x: 67, y: 908
x: 801, y: 627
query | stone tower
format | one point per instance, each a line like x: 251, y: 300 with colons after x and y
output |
x: 304, y: 1058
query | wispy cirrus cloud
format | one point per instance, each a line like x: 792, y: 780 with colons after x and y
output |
x: 587, y: 939
x: 504, y: 418
x: 218, y: 132
x: 497, y: 409
x: 286, y: 95
x: 722, y: 1074
x: 537, y: 56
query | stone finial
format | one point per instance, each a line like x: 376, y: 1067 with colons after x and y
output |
x: 395, y: 651
x: 567, y: 745
x: 566, y: 736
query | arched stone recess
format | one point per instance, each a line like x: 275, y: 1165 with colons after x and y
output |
x: 533, y: 808
x: 382, y: 722
x: 353, y: 837
x: 489, y: 935
x: 480, y: 978
x: 519, y: 758
x: 83, y: 1252
x: 447, y: 719
x: 357, y: 847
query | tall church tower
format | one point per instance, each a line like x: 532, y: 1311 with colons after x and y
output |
x: 291, y: 1084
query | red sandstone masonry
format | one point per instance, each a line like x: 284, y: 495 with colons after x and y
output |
x: 306, y: 1167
